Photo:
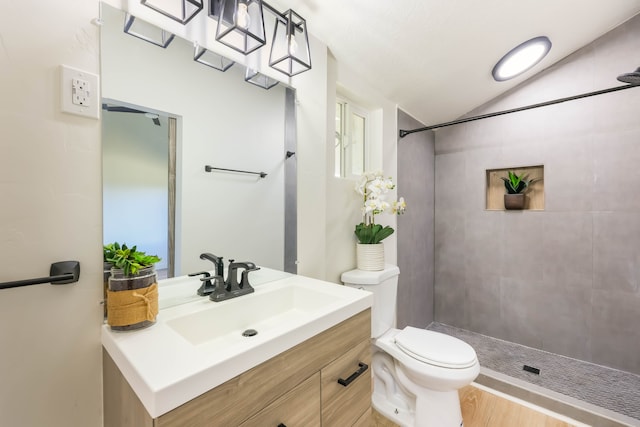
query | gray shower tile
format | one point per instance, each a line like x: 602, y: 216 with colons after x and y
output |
x: 481, y: 134
x: 616, y: 335
x: 616, y: 252
x: 484, y: 304
x: 450, y: 295
x: 456, y: 140
x: 523, y: 250
x: 573, y: 76
x: 521, y: 130
x: 450, y: 188
x: 477, y: 162
x: 515, y: 155
x: 483, y: 244
x: 449, y: 239
x: 567, y: 258
x: 621, y: 108
x: 616, y: 176
x: 567, y: 330
x: 521, y: 302
x: 415, y: 231
x: 568, y: 173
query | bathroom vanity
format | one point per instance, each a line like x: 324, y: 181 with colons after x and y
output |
x: 189, y: 369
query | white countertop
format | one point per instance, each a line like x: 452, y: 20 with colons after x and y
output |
x: 167, y: 369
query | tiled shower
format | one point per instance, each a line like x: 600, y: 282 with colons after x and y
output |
x: 565, y: 279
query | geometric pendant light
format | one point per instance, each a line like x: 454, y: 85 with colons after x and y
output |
x: 211, y: 59
x: 240, y: 24
x: 290, y: 47
x: 178, y: 10
x: 146, y: 31
x: 254, y: 77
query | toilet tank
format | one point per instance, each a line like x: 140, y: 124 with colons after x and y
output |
x: 384, y: 286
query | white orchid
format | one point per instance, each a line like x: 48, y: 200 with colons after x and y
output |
x: 373, y: 187
x: 399, y: 206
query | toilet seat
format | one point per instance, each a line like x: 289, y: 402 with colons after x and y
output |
x: 435, y: 348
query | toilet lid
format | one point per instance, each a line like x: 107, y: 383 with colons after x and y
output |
x: 435, y: 348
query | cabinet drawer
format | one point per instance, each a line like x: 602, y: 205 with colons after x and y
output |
x: 365, y: 420
x: 344, y: 405
x: 300, y: 407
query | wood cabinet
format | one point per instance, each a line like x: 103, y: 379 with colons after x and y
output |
x: 299, y: 387
x: 343, y: 405
x: 298, y: 407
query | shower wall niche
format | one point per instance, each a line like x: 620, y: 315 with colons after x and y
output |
x: 495, y: 187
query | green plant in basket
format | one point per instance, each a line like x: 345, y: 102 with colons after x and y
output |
x: 130, y: 260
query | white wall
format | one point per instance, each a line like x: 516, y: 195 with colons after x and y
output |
x: 224, y: 122
x: 343, y: 203
x: 50, y: 199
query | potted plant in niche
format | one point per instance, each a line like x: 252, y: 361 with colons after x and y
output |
x: 516, y: 186
x: 373, y: 187
x: 132, y: 294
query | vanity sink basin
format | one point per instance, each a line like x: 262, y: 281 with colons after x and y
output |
x: 270, y: 310
x: 197, y: 345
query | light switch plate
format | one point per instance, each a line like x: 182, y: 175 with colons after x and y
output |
x: 79, y: 92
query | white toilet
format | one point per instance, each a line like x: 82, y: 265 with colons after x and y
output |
x: 416, y: 372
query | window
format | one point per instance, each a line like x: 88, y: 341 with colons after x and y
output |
x: 352, y: 133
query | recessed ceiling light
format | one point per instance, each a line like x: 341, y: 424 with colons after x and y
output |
x: 521, y: 58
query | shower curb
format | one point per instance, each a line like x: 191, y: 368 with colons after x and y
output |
x: 557, y: 402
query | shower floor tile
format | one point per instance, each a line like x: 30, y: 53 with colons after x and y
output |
x: 597, y: 385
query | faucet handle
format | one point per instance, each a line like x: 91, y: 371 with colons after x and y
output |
x: 207, y: 287
x: 205, y: 273
x: 244, y: 282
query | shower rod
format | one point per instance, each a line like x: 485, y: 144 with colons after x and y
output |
x: 404, y: 133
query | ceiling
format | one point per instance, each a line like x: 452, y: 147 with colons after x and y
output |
x: 434, y: 57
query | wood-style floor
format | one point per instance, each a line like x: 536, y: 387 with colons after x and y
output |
x: 483, y: 409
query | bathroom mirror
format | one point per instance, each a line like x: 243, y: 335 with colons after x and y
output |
x: 220, y: 121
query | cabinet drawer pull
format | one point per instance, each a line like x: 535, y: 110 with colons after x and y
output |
x: 362, y: 368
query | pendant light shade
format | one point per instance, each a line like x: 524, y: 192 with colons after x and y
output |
x: 211, y: 59
x: 146, y: 31
x: 290, y: 47
x: 259, y: 79
x: 178, y: 10
x: 240, y: 24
